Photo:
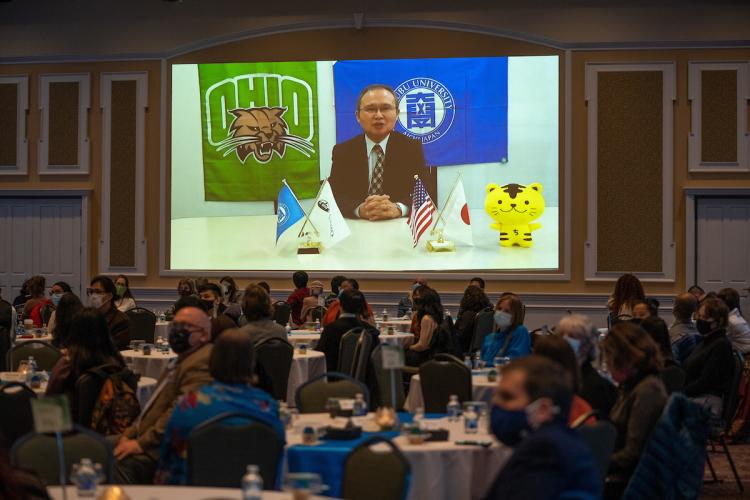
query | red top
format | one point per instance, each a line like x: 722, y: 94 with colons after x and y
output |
x: 295, y: 300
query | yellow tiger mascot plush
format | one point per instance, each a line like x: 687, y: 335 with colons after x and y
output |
x: 513, y: 207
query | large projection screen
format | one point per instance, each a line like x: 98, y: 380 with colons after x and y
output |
x: 249, y: 137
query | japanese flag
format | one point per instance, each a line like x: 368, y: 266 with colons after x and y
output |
x: 327, y: 218
x: 456, y: 215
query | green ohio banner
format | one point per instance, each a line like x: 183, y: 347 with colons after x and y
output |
x: 260, y: 125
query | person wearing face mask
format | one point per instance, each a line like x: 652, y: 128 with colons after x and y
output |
x: 530, y: 413
x: 709, y: 367
x: 334, y: 309
x: 219, y: 313
x: 56, y: 292
x: 682, y: 333
x: 314, y: 300
x: 59, y: 327
x: 137, y: 449
x: 633, y: 360
x: 510, y: 339
x: 405, y: 304
x: 185, y: 288
x: 125, y: 300
x: 102, y: 294
x: 599, y: 392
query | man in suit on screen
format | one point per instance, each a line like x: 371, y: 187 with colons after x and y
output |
x: 372, y: 174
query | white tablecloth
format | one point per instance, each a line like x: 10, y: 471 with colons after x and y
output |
x: 304, y: 367
x: 311, y: 339
x: 176, y: 493
x: 481, y: 388
x: 439, y: 470
x: 148, y: 366
x: 43, y: 338
x: 146, y: 385
x: 400, y: 325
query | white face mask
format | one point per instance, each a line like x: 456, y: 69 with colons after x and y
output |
x: 531, y: 416
x: 503, y: 319
x: 574, y: 343
x: 96, y: 300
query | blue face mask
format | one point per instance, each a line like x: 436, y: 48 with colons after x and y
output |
x: 574, y: 343
x: 56, y: 298
x: 503, y: 319
x: 508, y: 426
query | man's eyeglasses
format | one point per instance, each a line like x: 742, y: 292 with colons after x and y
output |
x: 95, y: 291
x: 383, y: 109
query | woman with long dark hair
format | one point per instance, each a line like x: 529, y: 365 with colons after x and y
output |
x: 473, y: 301
x: 429, y: 314
x: 125, y: 300
x: 628, y: 290
x: 229, y: 288
x: 62, y: 319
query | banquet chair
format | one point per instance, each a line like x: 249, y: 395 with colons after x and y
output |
x: 384, y: 383
x: 442, y: 377
x: 281, y: 312
x: 311, y: 397
x: 88, y: 388
x: 219, y: 450
x: 142, y: 324
x: 600, y: 439
x: 317, y: 313
x: 354, y: 353
x: 484, y: 324
x: 376, y: 469
x: 273, y: 361
x: 38, y: 452
x: 44, y: 354
x: 15, y: 418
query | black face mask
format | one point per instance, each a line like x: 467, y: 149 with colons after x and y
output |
x: 179, y: 339
x: 703, y: 326
x: 209, y: 304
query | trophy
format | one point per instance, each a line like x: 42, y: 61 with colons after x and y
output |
x: 310, y: 244
x: 438, y: 243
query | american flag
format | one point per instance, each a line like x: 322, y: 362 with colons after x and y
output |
x: 422, y: 208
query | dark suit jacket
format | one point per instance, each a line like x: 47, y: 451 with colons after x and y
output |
x: 119, y: 327
x: 350, y: 178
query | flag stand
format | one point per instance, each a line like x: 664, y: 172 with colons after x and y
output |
x: 309, y: 246
x: 440, y: 244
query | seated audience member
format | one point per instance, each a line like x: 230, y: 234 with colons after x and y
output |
x: 557, y: 349
x: 296, y: 298
x: 510, y: 339
x: 265, y: 286
x: 185, y: 288
x: 530, y: 413
x: 231, y: 366
x: 102, y: 294
x: 473, y: 301
x: 738, y: 331
x: 477, y: 281
x: 22, y: 297
x: 333, y: 311
x: 599, y: 392
x: 37, y: 308
x: 230, y: 291
x: 88, y: 346
x: 642, y: 310
x: 258, y: 312
x: 137, y: 450
x: 659, y: 333
x: 210, y: 294
x: 311, y: 302
x: 57, y: 290
x: 634, y: 361
x: 697, y: 292
x: 628, y: 291
x: 125, y: 300
x: 352, y: 304
x: 429, y: 316
x: 335, y: 284
x: 59, y: 325
x: 709, y: 367
x: 682, y: 334
x: 405, y: 305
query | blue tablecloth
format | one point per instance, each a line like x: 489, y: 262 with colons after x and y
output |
x: 327, y: 457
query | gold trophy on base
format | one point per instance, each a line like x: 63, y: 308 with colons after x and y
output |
x: 437, y: 242
x: 311, y: 244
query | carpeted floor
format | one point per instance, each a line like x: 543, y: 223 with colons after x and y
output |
x: 727, y: 489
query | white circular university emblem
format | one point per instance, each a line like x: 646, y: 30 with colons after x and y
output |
x: 426, y: 109
x: 283, y: 214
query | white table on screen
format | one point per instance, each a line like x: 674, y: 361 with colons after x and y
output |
x: 304, y: 367
x: 311, y: 338
x: 439, y: 470
x: 146, y: 385
x: 175, y: 493
x: 481, y: 390
x: 375, y: 246
x: 151, y: 365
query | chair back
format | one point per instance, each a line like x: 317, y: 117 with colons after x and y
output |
x: 673, y: 378
x: 5, y: 345
x: 317, y: 313
x: 220, y: 449
x: 442, y: 377
x: 273, y: 361
x: 88, y: 388
x: 376, y: 470
x: 600, y: 439
x: 142, y: 324
x: 385, y: 385
x: 731, y: 399
x: 281, y: 312
x: 16, y: 419
x: 38, y: 453
x: 311, y: 397
x: 484, y: 324
x: 45, y: 354
x: 355, y: 348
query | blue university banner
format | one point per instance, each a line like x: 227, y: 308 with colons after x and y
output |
x: 289, y: 211
x: 457, y: 108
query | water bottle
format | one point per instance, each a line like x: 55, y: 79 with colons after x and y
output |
x: 32, y: 365
x: 86, y: 476
x: 419, y: 417
x: 284, y: 415
x: 317, y: 325
x: 252, y: 484
x: 467, y: 362
x: 453, y: 409
x: 385, y: 314
x: 32, y: 377
x: 360, y: 406
x: 471, y: 420
x: 288, y: 328
x: 162, y: 316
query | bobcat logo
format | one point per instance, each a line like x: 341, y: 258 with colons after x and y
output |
x: 261, y: 132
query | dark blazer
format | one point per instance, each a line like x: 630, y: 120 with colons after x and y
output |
x: 710, y: 366
x: 599, y: 392
x: 350, y: 178
x: 119, y: 327
x: 552, y: 462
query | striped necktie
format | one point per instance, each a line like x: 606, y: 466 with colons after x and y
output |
x: 376, y: 183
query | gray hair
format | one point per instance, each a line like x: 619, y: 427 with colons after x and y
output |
x: 580, y: 328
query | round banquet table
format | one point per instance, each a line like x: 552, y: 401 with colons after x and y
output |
x: 146, y: 386
x: 398, y: 324
x: 175, y: 493
x: 310, y: 337
x: 304, y: 367
x: 439, y: 470
x: 151, y: 365
x: 481, y: 389
x: 43, y: 338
